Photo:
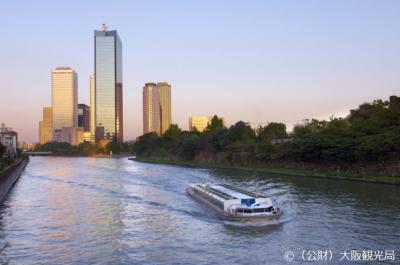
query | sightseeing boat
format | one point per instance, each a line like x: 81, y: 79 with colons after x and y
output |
x: 233, y: 203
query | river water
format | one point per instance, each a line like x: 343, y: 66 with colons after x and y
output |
x: 116, y: 211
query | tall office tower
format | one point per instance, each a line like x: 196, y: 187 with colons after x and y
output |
x: 108, y: 84
x: 64, y: 83
x: 92, y: 107
x: 199, y: 122
x: 164, y: 91
x: 46, y: 126
x: 151, y: 109
x: 84, y: 117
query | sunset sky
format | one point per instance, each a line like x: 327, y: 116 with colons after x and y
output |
x: 256, y: 61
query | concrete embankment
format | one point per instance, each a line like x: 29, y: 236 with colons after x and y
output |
x: 10, y: 175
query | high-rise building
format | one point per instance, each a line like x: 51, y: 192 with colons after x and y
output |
x: 199, y: 122
x: 151, y: 109
x: 164, y: 92
x: 64, y: 101
x: 108, y: 83
x: 84, y: 117
x: 46, y: 126
x: 156, y: 107
x: 92, y: 107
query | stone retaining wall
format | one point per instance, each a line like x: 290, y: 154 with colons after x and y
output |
x: 10, y: 175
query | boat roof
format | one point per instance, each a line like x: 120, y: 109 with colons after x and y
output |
x: 233, y: 193
x: 228, y: 192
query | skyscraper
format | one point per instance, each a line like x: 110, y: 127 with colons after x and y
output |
x: 92, y: 107
x: 46, y: 126
x: 64, y: 84
x: 156, y: 107
x: 164, y: 91
x: 108, y: 83
x: 84, y: 117
x: 151, y: 109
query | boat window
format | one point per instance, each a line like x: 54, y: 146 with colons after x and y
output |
x: 247, y: 211
x: 259, y: 210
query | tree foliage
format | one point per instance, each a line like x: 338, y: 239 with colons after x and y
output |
x: 85, y: 148
x: 215, y: 124
x: 370, y: 133
x: 3, y: 150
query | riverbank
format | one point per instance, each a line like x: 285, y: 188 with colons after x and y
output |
x: 10, y: 175
x: 83, y: 155
x: 299, y: 172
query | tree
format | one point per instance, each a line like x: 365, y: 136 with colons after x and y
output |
x: 60, y: 148
x: 87, y: 148
x: 171, y: 133
x: 146, y: 144
x: 272, y: 130
x: 114, y: 147
x: 216, y: 123
x: 371, y: 133
x: 127, y: 147
x: 241, y: 131
x: 188, y: 145
x: 217, y: 139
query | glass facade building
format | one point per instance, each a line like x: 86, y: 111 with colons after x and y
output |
x: 64, y: 101
x: 108, y: 84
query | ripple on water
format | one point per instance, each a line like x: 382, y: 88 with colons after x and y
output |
x: 116, y: 211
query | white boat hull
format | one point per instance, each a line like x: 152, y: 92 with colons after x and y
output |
x: 236, y: 217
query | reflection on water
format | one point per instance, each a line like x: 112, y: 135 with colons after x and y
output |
x: 115, y: 211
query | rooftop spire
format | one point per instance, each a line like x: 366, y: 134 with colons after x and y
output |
x: 104, y: 27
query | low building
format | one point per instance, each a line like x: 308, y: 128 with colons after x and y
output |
x: 88, y: 137
x: 46, y: 126
x: 9, y: 138
x: 71, y: 135
x: 199, y: 122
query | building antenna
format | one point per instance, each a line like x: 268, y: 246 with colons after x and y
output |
x: 104, y: 28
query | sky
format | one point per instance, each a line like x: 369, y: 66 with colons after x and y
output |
x: 256, y: 61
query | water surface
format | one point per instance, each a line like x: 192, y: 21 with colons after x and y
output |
x: 116, y: 211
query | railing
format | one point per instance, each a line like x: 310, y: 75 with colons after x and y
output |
x: 219, y: 193
x: 251, y: 194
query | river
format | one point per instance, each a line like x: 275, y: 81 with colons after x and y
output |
x: 116, y: 211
